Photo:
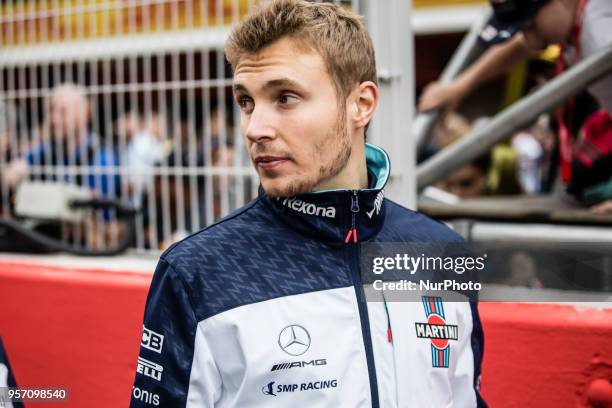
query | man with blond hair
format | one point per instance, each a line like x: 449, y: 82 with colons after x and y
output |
x: 266, y: 308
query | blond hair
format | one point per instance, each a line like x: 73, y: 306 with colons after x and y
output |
x: 338, y: 35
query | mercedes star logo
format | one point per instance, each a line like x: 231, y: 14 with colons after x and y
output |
x: 294, y: 340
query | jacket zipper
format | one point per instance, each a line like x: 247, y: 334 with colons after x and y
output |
x: 361, y: 303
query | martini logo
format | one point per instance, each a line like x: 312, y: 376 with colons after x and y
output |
x: 309, y: 208
x: 437, y: 331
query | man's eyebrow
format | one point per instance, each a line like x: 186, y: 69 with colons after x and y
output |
x: 273, y: 83
x: 239, y: 88
x: 281, y: 83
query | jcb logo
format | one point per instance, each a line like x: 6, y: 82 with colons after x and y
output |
x: 151, y: 340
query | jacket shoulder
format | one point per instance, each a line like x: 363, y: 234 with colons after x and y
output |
x: 228, y: 229
x: 403, y: 224
x: 248, y: 257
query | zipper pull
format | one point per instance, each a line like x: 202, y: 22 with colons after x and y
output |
x: 354, y: 210
x: 354, y: 205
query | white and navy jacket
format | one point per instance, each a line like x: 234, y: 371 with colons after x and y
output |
x: 266, y: 309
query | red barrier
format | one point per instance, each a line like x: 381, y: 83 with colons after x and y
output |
x: 80, y: 328
x: 77, y: 329
x: 543, y: 355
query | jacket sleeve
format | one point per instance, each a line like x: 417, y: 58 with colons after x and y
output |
x: 175, y: 367
x: 466, y: 382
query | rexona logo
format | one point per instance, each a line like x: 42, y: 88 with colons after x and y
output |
x: 286, y: 366
x: 437, y: 331
x: 274, y: 389
x: 145, y: 396
x: 309, y: 208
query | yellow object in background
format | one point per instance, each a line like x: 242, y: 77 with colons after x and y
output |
x: 442, y: 3
x: 550, y: 54
x: 502, y: 179
x: 33, y: 22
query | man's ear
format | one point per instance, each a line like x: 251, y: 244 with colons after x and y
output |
x: 364, y: 102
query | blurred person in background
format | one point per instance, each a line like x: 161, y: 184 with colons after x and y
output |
x: 182, y: 192
x: 223, y: 161
x: 146, y: 146
x: 450, y: 127
x: 470, y: 180
x: 529, y: 153
x: 65, y: 139
x: 520, y: 28
x: 493, y: 172
x: 76, y: 155
x: 543, y: 132
x: 220, y: 153
x: 144, y: 136
x: 592, y: 164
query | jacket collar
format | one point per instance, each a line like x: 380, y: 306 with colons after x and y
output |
x: 332, y: 215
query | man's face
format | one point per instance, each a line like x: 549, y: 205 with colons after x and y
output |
x: 68, y: 115
x: 295, y: 129
x: 554, y: 22
x: 466, y: 182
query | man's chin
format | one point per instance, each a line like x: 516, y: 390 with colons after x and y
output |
x: 284, y: 190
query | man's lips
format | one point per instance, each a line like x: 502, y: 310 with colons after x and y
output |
x: 266, y: 162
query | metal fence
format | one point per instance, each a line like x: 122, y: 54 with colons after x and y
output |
x: 131, y: 99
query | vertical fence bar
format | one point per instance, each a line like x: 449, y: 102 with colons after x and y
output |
x: 150, y: 119
x: 221, y: 153
x: 208, y: 179
x: 389, y: 23
x: 163, y: 100
x: 32, y: 87
x: 177, y: 130
x: 192, y: 129
x: 134, y: 180
x: 6, y: 146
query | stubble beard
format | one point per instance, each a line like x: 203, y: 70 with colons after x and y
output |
x: 326, y: 170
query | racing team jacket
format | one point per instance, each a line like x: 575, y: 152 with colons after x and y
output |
x: 266, y: 309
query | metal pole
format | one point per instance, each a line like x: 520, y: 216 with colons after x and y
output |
x: 389, y: 23
x: 515, y: 117
x: 467, y: 51
x: 489, y: 232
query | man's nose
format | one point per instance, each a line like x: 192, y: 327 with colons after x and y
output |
x: 260, y: 126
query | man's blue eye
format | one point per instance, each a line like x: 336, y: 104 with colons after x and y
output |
x: 245, y: 103
x: 285, y: 98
